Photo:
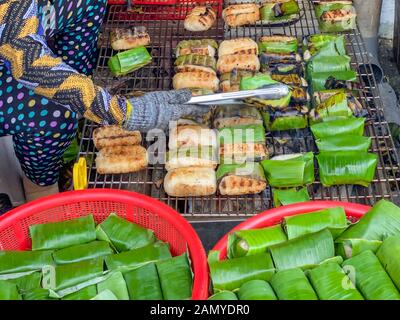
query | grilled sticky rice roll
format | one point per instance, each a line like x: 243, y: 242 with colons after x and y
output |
x: 230, y: 81
x: 195, y: 62
x: 241, y: 179
x: 248, y: 62
x: 238, y: 46
x: 121, y: 159
x: 191, y: 135
x: 241, y: 14
x: 204, y: 47
x: 268, y: 59
x: 111, y: 136
x: 202, y: 156
x: 234, y: 115
x: 290, y: 79
x: 195, y: 80
x: 201, y: 18
x: 249, y: 151
x: 129, y: 38
x: 284, y: 68
x: 190, y: 181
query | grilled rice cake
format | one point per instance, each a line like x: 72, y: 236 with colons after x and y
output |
x: 204, y: 47
x: 195, y: 80
x: 129, y: 38
x: 232, y: 185
x: 241, y: 14
x: 191, y: 136
x: 248, y: 62
x: 238, y: 46
x: 121, y: 159
x: 243, y: 150
x: 191, y: 181
x: 111, y: 136
x: 201, y: 18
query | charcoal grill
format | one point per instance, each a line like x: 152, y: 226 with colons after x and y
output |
x: 165, y: 34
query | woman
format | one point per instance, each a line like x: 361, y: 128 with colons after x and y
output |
x: 43, y: 88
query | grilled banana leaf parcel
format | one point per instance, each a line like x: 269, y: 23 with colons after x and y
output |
x: 324, y: 45
x: 344, y: 143
x: 388, y: 254
x: 230, y: 81
x: 304, y: 252
x: 204, y: 47
x: 278, y: 44
x: 256, y: 290
x: 321, y: 63
x: 335, y: 16
x: 241, y: 179
x: 143, y: 283
x: 175, y: 278
x: 24, y: 261
x: 129, y: 38
x: 292, y: 79
x: 348, y: 248
x: 292, y: 284
x: 234, y: 115
x: 331, y: 283
x: 255, y: 241
x: 346, y: 167
x: 293, y: 170
x: 9, y: 291
x: 289, y: 118
x: 338, y: 127
x: 202, y: 156
x: 370, y: 277
x: 195, y: 62
x: 328, y: 80
x: 231, y: 274
x: 224, y: 295
x: 333, y: 107
x: 128, y: 61
x: 116, y: 284
x: 283, y: 197
x: 279, y: 11
x: 333, y: 219
x: 64, y: 234
x: 124, y: 235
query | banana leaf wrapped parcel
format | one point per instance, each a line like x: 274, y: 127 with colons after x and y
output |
x: 278, y: 50
x: 128, y: 61
x: 335, y: 16
x: 230, y: 81
x: 143, y: 283
x: 234, y: 115
x: 279, y: 11
x: 205, y: 47
x: 283, y: 197
x: 339, y: 127
x: 347, y: 167
x: 86, y: 293
x: 388, y: 254
x: 328, y: 80
x: 323, y: 45
x: 348, y: 248
x: 9, y: 291
x: 256, y: 290
x: 12, y: 262
x: 344, y: 143
x: 115, y: 282
x: 195, y: 62
x: 289, y: 118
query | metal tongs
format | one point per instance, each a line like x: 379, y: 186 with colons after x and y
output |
x: 268, y: 92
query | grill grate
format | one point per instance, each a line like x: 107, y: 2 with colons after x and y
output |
x: 165, y: 35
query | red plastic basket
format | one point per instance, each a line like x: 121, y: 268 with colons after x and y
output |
x: 166, y: 223
x: 274, y: 216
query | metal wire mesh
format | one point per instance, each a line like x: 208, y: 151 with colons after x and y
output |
x: 165, y: 35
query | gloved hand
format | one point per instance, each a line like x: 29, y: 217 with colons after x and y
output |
x: 157, y: 109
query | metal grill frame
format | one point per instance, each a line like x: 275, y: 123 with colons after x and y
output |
x: 165, y: 35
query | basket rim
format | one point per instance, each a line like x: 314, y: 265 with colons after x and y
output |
x: 196, y: 249
x: 269, y: 217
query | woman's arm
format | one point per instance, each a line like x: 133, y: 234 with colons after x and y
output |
x: 33, y: 64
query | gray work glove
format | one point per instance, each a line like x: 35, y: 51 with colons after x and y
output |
x: 157, y: 109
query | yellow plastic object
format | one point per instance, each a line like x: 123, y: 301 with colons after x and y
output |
x: 80, y: 174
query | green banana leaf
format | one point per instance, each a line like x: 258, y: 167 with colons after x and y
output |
x: 335, y: 106
x: 348, y: 248
x: 279, y: 12
x: 333, y: 219
x: 83, y: 294
x: 198, y: 43
x: 135, y: 258
x: 321, y: 63
x: 285, y: 197
x: 175, y: 278
x: 9, y: 291
x: 340, y: 127
x: 128, y: 61
x: 303, y: 252
x: 28, y: 282
x: 347, y: 167
x: 196, y: 60
x: 292, y: 284
x: 331, y: 283
x: 293, y: 170
x: 23, y: 261
x: 370, y: 277
x: 331, y: 79
x: 281, y: 46
x: 105, y: 295
x: 124, y: 235
x: 116, y: 284
x: 250, y: 242
x: 37, y: 294
x: 232, y: 273
x: 80, y: 252
x: 68, y: 275
x: 224, y: 295
x: 382, y: 221
x: 64, y: 234
x: 388, y: 254
x: 327, y: 24
x: 256, y: 290
x: 344, y: 143
x: 290, y: 118
x: 324, y: 45
x: 242, y: 134
x: 232, y: 115
x: 252, y: 170
x: 143, y: 283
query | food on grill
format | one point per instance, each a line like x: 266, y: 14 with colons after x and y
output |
x: 388, y: 255
x: 278, y: 50
x: 344, y: 143
x: 333, y: 80
x: 234, y: 115
x: 291, y: 170
x: 190, y: 181
x: 204, y: 47
x: 201, y: 18
x: 196, y: 80
x: 128, y: 61
x: 250, y: 242
x: 240, y: 179
x: 230, y: 81
x: 111, y: 136
x: 279, y: 11
x: 284, y: 197
x: 129, y: 38
x: 335, y: 16
x: 191, y: 135
x: 288, y: 118
x: 237, y: 46
x: 224, y: 295
x: 323, y: 44
x: 347, y: 167
x: 245, y: 61
x: 194, y: 62
x: 237, y: 15
x: 328, y: 64
x: 121, y: 159
x: 256, y: 290
x: 202, y: 156
x: 349, y: 126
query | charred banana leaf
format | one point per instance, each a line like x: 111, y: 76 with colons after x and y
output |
x: 204, y: 47
x: 229, y: 116
x: 290, y: 118
x: 192, y: 62
x: 323, y: 45
x: 279, y: 11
